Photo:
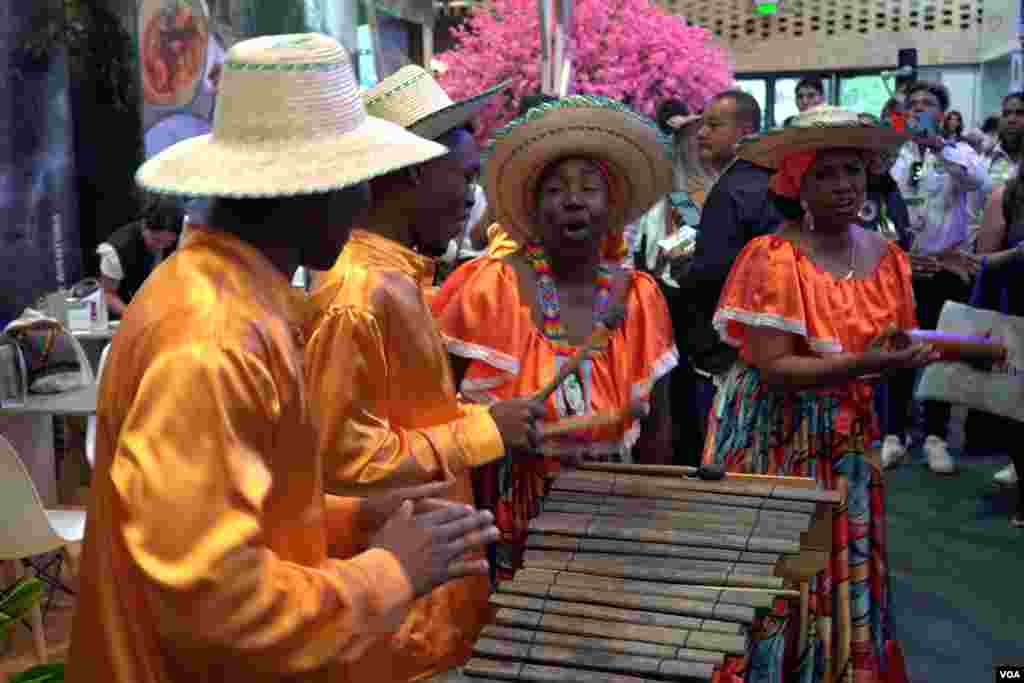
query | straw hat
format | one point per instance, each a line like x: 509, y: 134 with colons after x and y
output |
x: 412, y: 98
x: 823, y: 127
x: 637, y: 154
x: 289, y: 121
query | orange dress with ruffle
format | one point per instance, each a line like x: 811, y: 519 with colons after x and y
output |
x: 826, y: 434
x: 483, y: 319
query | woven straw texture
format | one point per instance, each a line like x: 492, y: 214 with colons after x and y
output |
x: 413, y: 99
x: 823, y: 127
x: 579, y: 126
x: 289, y: 121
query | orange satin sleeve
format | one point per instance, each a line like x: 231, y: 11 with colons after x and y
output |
x: 349, y: 375
x: 192, y: 478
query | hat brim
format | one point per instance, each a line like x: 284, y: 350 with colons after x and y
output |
x: 456, y: 115
x: 687, y: 120
x: 769, y: 149
x: 631, y: 146
x: 206, y: 166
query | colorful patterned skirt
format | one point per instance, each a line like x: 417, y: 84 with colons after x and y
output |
x: 513, y: 489
x: 828, y: 436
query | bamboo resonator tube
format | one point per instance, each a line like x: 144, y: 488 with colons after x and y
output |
x: 955, y: 347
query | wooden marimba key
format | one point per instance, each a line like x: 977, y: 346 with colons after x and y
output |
x: 637, y: 573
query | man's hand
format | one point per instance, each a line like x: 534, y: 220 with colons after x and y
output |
x: 429, y: 545
x: 892, y: 338
x: 573, y: 452
x: 376, y: 510
x: 957, y: 262
x: 924, y: 266
x: 517, y: 422
x: 932, y: 142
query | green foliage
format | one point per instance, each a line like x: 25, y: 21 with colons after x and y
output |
x: 44, y: 673
x: 16, y: 603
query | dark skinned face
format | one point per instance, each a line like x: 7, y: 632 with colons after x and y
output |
x: 834, y: 187
x: 330, y: 218
x: 572, y: 207
x: 443, y: 197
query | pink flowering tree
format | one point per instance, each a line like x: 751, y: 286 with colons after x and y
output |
x: 628, y: 50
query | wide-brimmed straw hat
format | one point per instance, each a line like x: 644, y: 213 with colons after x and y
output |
x: 289, y: 121
x: 579, y: 126
x: 823, y: 127
x: 414, y: 100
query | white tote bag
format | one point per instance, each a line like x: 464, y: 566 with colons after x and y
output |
x: 1000, y: 391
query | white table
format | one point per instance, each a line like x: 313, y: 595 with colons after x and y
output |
x: 29, y: 428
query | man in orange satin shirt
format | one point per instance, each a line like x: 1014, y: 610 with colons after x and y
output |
x: 206, y: 550
x: 378, y: 371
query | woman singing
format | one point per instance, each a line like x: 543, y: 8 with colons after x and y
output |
x: 803, y: 307
x: 564, y: 180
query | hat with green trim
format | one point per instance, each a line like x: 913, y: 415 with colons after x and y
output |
x: 289, y: 121
x: 412, y: 98
x: 823, y: 127
x: 634, y: 151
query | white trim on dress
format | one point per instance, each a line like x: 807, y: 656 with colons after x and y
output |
x: 493, y: 357
x: 723, y: 316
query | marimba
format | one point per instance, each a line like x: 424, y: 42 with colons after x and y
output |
x: 645, y: 573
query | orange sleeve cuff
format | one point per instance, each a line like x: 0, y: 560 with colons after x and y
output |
x: 392, y: 592
x: 478, y: 435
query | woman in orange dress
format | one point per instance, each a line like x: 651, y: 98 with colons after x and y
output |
x: 564, y: 180
x: 811, y: 310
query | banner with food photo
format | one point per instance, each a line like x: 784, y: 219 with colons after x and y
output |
x: 181, y: 55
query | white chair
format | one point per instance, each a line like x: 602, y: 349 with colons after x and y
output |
x: 90, y: 431
x: 29, y: 529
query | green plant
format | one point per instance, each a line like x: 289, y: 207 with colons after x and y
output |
x: 18, y: 600
x: 14, y: 605
x: 44, y: 673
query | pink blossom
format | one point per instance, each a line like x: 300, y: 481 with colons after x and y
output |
x: 629, y: 50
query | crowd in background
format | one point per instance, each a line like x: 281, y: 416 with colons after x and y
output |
x: 771, y: 340
x: 940, y: 199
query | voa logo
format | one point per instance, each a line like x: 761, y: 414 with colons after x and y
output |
x: 1009, y: 675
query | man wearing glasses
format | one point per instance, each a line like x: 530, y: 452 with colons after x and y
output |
x: 937, y: 178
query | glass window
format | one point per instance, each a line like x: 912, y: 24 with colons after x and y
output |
x: 785, y: 97
x: 759, y: 89
x: 367, y: 66
x: 863, y: 94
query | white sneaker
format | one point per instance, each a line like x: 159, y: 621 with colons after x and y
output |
x: 939, y: 459
x: 1006, y: 476
x: 893, y: 451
